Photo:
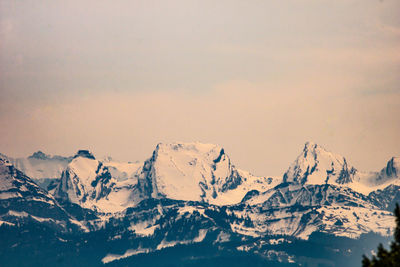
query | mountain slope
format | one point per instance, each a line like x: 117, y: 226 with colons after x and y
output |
x: 299, y: 210
x: 22, y: 201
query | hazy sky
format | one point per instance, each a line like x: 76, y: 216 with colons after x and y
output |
x: 259, y: 78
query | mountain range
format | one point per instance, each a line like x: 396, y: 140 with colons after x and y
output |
x: 189, y: 205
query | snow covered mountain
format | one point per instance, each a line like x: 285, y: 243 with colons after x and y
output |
x: 90, y: 183
x: 299, y: 210
x: 44, y: 168
x: 197, y: 172
x: 192, y: 195
x: 41, y: 167
x: 22, y: 201
x: 387, y: 185
x: 194, y: 171
x: 324, y: 184
x: 389, y: 174
x: 204, y: 173
x: 315, y: 165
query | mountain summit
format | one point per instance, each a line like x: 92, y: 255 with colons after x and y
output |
x: 107, y: 187
x: 197, y: 172
x: 316, y: 165
x: 390, y: 172
x: 39, y: 155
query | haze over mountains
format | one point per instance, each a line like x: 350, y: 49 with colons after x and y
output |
x: 192, y: 193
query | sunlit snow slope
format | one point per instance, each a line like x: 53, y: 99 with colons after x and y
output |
x: 198, y: 172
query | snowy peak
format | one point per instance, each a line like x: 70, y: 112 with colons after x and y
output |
x: 41, y: 167
x: 84, y: 180
x: 392, y: 169
x: 90, y: 183
x: 316, y: 165
x: 189, y: 158
x: 388, y: 175
x: 184, y: 170
x: 45, y: 169
x: 197, y: 172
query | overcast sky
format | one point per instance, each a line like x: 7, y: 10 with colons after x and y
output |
x: 259, y: 78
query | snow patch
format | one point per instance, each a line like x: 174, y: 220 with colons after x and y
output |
x: 130, y: 252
